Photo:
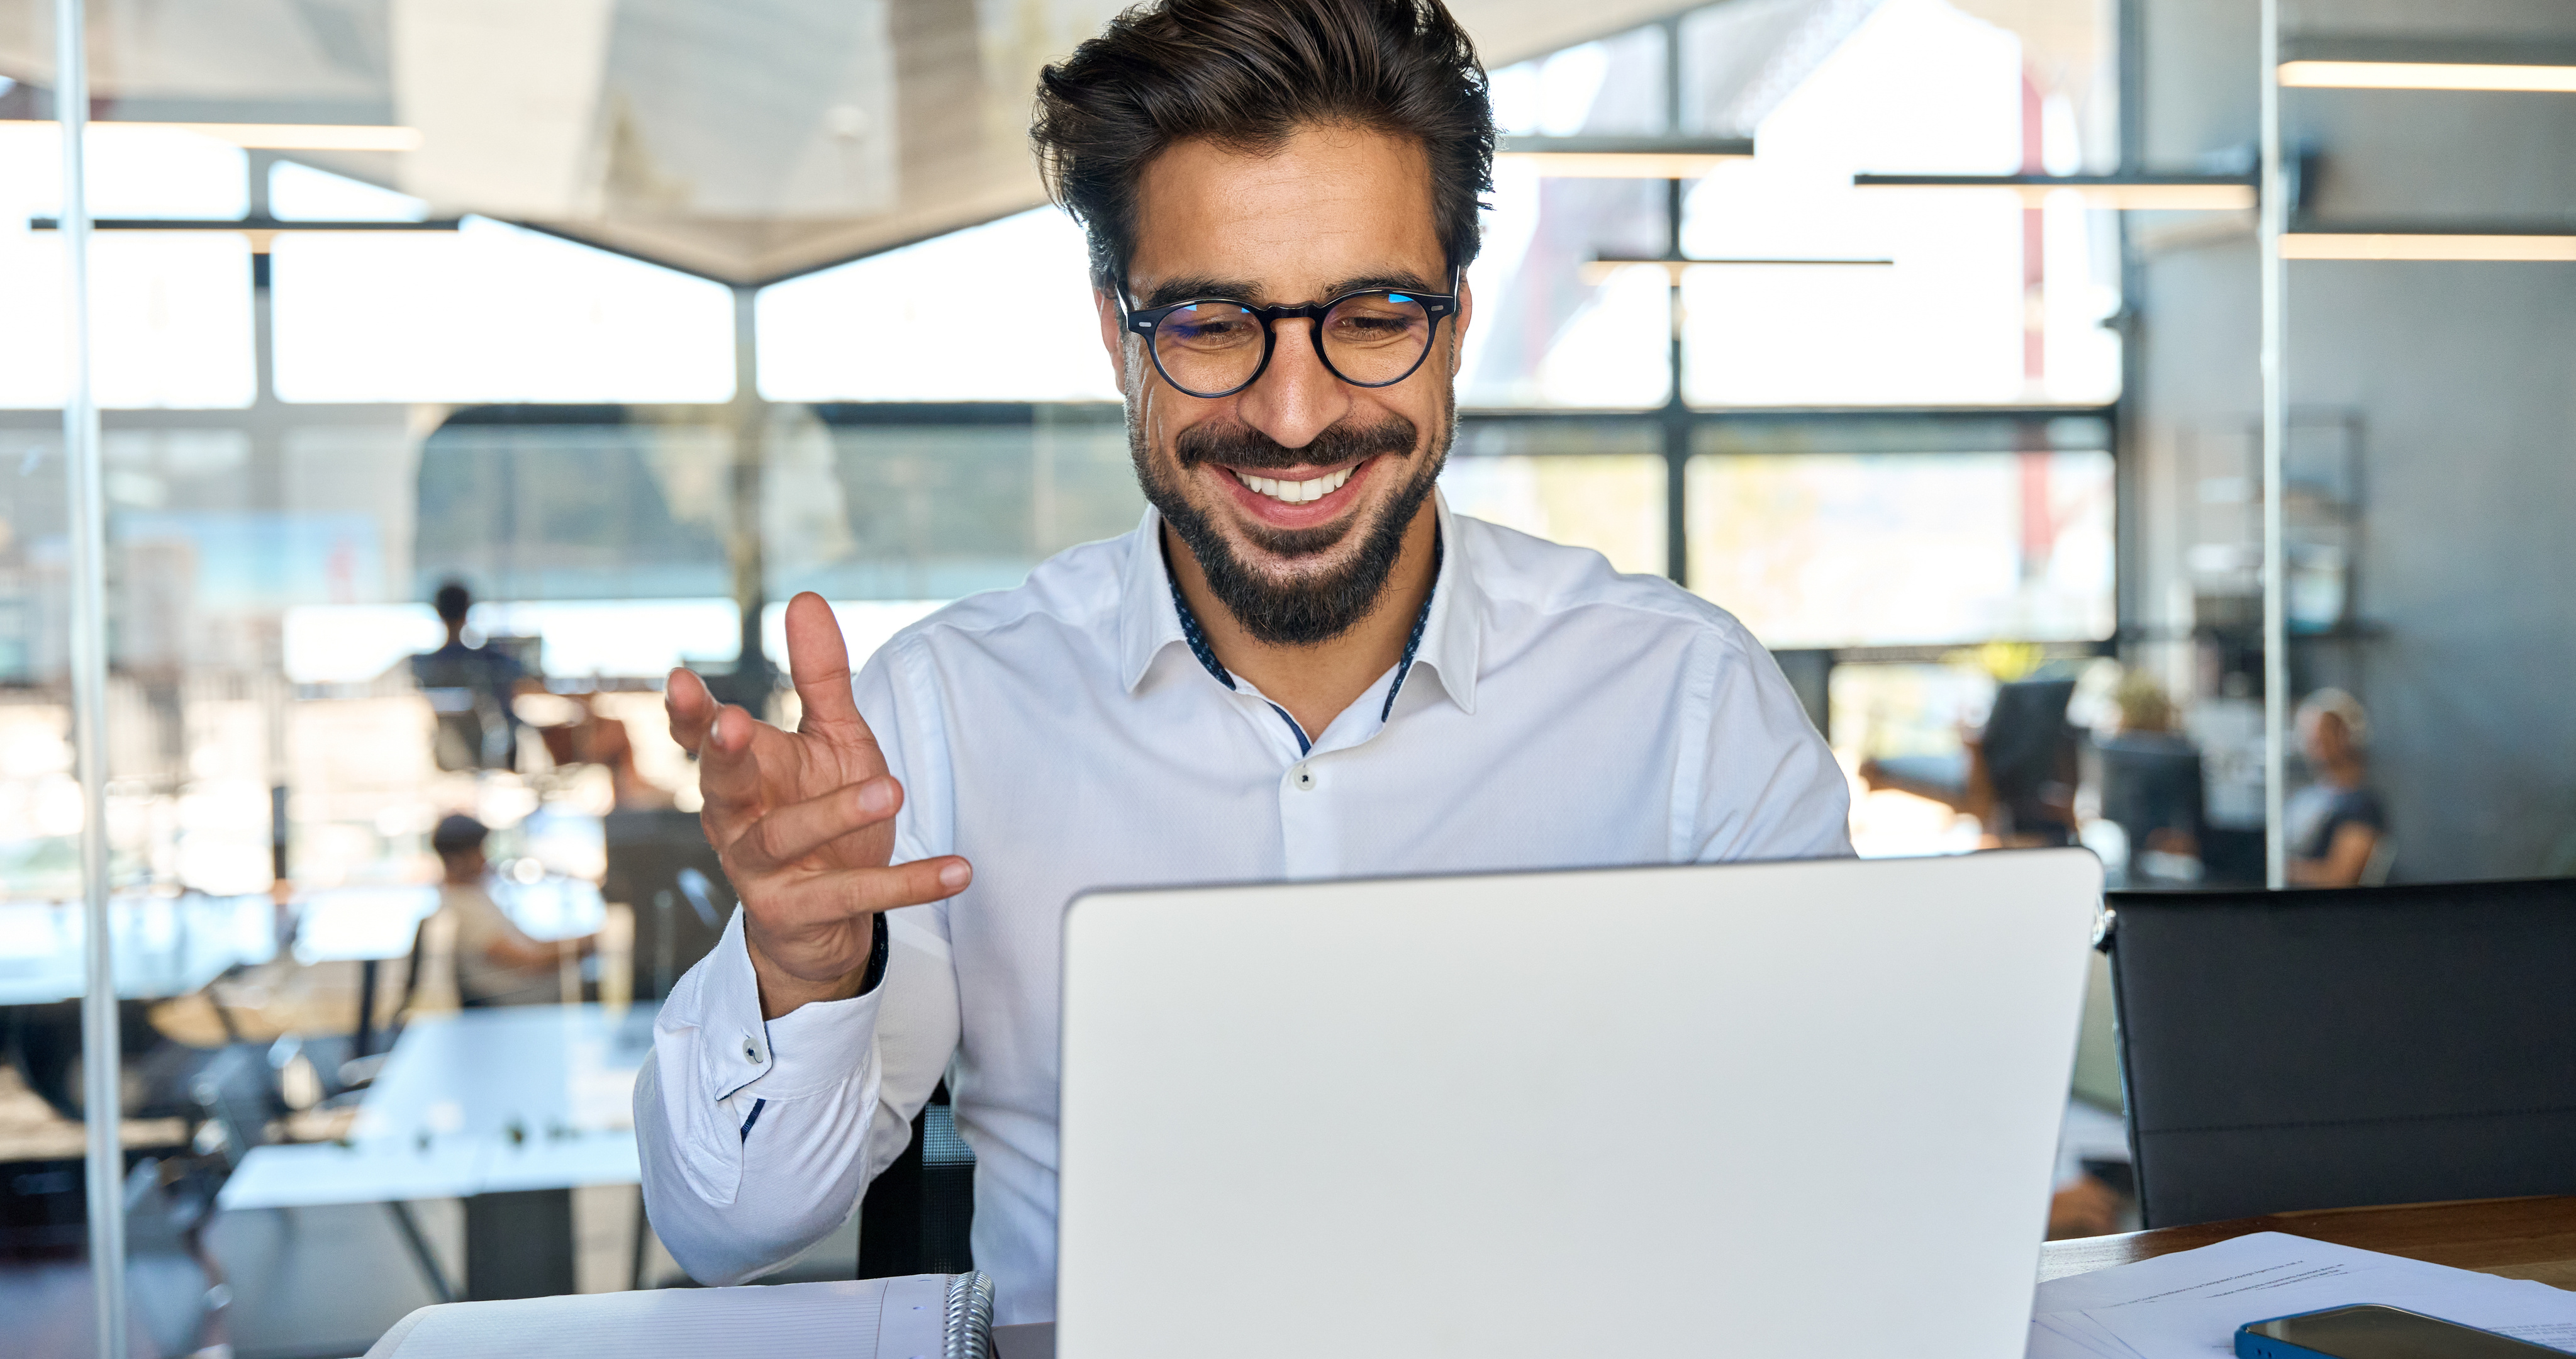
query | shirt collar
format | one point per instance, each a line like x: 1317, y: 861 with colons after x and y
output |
x: 1147, y: 622
x: 1452, y: 624
x: 1152, y: 617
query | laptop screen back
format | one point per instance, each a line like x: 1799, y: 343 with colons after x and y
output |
x: 1762, y: 1109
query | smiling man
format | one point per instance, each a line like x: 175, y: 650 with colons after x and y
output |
x: 1300, y: 664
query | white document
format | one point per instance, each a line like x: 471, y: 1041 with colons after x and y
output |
x: 2189, y: 1304
x: 901, y: 1318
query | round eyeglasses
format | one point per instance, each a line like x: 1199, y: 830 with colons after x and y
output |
x: 1213, y: 346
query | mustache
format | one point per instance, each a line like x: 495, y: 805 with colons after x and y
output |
x: 1241, y: 446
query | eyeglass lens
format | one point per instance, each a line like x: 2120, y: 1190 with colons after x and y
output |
x: 1371, y: 339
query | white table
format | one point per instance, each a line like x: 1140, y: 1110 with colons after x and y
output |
x: 507, y: 1109
x: 161, y: 946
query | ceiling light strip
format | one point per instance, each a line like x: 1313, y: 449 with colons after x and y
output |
x: 2167, y: 193
x: 279, y: 136
x: 2427, y: 75
x: 2355, y: 245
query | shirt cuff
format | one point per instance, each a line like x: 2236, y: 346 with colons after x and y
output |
x: 816, y: 1046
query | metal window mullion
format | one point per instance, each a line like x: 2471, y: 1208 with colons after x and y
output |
x: 2275, y: 302
x: 102, y: 1103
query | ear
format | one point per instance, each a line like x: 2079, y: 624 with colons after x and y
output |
x: 1458, y: 327
x: 1113, y: 337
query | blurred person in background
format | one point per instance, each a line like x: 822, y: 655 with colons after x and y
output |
x: 2337, y: 826
x: 496, y: 962
x: 605, y: 741
x: 2152, y: 782
x: 470, y: 688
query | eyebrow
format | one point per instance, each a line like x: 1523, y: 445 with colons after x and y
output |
x: 1191, y: 288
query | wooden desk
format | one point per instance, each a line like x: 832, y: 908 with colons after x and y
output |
x: 2515, y: 1238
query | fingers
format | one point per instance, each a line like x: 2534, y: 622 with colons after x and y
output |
x: 690, y: 707
x: 843, y: 893
x: 792, y: 832
x: 818, y: 659
x: 728, y: 765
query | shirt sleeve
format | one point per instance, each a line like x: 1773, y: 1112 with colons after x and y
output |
x: 1759, y: 782
x: 757, y: 1138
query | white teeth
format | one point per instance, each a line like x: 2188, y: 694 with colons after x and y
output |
x: 1298, y: 492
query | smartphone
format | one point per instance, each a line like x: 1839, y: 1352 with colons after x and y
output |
x: 2374, y: 1332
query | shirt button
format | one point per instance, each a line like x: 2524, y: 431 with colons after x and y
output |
x: 751, y: 1052
x: 1303, y: 777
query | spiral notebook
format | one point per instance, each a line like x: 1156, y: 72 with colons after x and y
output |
x: 919, y: 1316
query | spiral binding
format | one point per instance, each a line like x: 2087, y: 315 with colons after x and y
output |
x: 970, y: 1316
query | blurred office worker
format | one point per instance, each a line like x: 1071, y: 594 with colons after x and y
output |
x: 2338, y: 831
x: 470, y: 688
x: 1300, y: 665
x: 496, y: 962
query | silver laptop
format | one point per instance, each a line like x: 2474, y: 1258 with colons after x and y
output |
x: 1769, y: 1109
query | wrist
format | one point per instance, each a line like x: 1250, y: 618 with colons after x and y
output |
x: 782, y: 991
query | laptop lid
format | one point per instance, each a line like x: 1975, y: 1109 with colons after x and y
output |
x: 1758, y: 1109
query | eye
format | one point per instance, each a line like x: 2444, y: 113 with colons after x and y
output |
x: 1207, y: 324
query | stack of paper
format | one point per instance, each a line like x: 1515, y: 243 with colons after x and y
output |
x: 2188, y: 1305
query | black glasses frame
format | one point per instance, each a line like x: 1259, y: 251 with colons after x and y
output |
x: 1143, y: 321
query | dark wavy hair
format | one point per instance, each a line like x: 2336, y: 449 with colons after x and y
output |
x: 1245, y: 74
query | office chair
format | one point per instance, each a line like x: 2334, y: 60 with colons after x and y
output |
x: 918, y: 1215
x: 659, y: 862
x: 2341, y: 1048
x: 2029, y: 756
x: 2151, y: 782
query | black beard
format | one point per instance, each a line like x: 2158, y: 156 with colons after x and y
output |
x: 1307, y: 609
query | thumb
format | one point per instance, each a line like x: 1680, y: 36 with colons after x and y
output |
x: 818, y: 659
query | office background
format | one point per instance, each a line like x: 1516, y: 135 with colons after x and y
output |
x: 639, y: 316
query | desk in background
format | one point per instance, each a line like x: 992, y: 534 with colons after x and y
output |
x: 507, y: 1109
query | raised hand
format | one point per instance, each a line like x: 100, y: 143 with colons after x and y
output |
x: 804, y: 821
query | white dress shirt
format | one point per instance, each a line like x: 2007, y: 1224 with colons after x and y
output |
x: 1072, y: 734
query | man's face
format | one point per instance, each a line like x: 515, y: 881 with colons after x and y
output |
x: 1333, y: 210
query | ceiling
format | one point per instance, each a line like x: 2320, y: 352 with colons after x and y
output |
x: 744, y: 140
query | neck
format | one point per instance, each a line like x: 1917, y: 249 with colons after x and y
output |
x: 1315, y: 683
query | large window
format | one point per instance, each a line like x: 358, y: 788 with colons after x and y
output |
x: 171, y: 310
x: 492, y: 312
x: 1954, y: 297
x: 1822, y: 550
x: 999, y: 312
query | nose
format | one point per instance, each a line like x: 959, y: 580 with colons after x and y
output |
x: 1296, y: 397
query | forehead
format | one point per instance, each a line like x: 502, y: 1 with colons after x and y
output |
x: 1328, y: 205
